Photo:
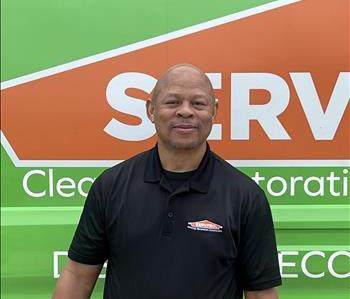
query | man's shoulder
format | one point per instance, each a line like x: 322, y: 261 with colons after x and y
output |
x: 125, y: 168
x: 226, y: 172
x: 137, y: 160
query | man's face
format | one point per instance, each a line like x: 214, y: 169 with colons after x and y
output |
x: 183, y: 109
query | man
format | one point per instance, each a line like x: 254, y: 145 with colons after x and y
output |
x: 176, y: 221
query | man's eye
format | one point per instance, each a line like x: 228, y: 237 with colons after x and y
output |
x: 197, y: 103
x: 171, y: 102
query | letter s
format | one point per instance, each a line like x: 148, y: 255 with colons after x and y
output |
x: 117, y: 99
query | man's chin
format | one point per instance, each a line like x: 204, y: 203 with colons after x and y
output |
x: 189, y: 145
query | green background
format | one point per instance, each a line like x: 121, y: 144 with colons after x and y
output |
x: 36, y: 35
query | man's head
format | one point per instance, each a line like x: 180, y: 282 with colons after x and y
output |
x: 183, y: 107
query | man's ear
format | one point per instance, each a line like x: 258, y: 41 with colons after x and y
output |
x: 216, y: 107
x: 150, y: 110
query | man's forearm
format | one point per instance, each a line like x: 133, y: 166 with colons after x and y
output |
x: 263, y: 294
x: 76, y: 281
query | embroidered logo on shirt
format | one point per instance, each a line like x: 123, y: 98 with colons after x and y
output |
x: 205, y: 225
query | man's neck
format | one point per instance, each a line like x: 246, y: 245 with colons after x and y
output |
x: 180, y: 160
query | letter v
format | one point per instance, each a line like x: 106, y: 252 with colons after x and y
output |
x: 323, y: 124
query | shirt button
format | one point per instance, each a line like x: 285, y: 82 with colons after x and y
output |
x: 170, y: 214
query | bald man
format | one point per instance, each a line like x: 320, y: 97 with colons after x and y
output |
x: 177, y: 221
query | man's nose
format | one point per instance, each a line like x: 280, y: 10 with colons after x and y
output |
x: 185, y: 110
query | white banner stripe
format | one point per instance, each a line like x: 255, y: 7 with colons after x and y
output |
x: 236, y: 163
x: 108, y: 163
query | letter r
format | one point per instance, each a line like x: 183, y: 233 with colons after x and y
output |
x: 242, y: 111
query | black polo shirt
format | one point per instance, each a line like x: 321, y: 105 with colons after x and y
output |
x: 210, y: 238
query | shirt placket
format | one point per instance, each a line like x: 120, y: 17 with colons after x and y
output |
x: 170, y: 211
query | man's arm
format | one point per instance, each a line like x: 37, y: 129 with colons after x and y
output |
x: 263, y: 294
x: 76, y: 281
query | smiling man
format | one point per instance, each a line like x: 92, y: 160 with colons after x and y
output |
x: 176, y: 221
x: 183, y: 109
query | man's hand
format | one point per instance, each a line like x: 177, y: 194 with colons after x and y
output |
x: 263, y: 294
x: 76, y: 281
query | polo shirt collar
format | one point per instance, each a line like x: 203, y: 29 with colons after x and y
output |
x: 199, y: 181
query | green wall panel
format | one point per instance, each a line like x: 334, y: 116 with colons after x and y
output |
x: 310, y: 203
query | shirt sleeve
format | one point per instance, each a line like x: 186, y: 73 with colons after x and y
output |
x: 258, y: 258
x: 89, y: 244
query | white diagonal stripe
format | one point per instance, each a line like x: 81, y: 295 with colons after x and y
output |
x: 146, y: 43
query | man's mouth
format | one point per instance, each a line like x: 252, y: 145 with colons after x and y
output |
x: 184, y: 128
